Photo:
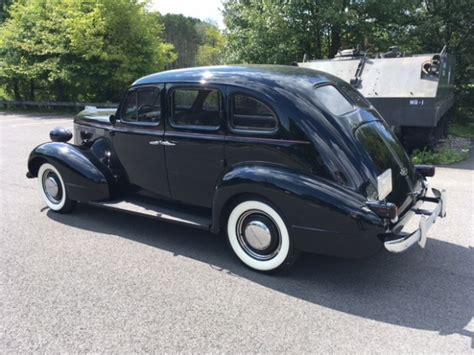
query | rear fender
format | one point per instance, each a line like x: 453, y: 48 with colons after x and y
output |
x: 85, y: 176
x: 314, y: 205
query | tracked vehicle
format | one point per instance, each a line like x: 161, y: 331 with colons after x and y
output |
x: 412, y: 92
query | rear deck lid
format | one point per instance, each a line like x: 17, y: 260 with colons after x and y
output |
x: 386, y: 152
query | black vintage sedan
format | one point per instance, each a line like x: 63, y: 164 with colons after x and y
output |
x: 282, y: 159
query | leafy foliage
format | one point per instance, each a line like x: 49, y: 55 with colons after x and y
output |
x: 196, y: 42
x: 181, y: 32
x: 78, y: 50
x: 4, y: 6
x: 212, y: 43
x: 282, y: 31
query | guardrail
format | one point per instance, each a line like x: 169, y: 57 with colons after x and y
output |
x: 52, y: 105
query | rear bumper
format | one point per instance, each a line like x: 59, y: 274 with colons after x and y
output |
x: 397, y: 241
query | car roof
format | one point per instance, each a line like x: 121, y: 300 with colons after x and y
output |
x: 273, y: 76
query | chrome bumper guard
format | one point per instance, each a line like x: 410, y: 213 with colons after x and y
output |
x: 398, y: 242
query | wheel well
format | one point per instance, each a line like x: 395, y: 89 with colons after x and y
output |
x: 233, y: 201
x: 34, y: 165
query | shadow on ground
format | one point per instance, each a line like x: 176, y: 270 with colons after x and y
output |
x: 423, y: 290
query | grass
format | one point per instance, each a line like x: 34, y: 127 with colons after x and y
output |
x: 441, y: 156
x: 453, y: 150
x: 465, y: 130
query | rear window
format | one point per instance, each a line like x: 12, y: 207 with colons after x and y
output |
x: 354, y: 95
x: 333, y: 100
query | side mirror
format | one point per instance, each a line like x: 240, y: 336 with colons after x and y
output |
x: 112, y: 119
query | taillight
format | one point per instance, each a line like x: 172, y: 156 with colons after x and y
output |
x: 425, y: 170
x: 384, y: 210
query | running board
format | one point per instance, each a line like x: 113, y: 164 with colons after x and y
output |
x: 143, y: 208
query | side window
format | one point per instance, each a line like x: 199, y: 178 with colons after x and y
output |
x: 251, y: 114
x: 149, y: 105
x: 333, y: 100
x: 129, y: 111
x: 143, y: 106
x: 196, y: 108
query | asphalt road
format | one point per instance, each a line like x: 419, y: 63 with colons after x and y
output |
x: 103, y: 281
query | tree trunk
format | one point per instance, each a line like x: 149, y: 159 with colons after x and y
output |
x: 16, y: 90
x: 335, y: 41
x: 60, y: 94
x: 32, y: 90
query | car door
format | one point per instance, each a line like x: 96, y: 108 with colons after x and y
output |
x: 194, y: 139
x: 137, y: 140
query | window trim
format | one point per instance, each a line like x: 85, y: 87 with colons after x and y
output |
x: 244, y: 131
x: 170, y: 120
x: 354, y: 106
x: 160, y: 88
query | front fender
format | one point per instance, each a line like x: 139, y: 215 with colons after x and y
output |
x: 321, y: 214
x: 86, y: 178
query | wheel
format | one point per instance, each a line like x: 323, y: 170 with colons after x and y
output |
x: 259, y: 237
x: 53, y: 190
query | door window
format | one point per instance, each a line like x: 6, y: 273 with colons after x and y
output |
x: 250, y: 114
x: 129, y: 111
x: 142, y: 106
x: 196, y: 108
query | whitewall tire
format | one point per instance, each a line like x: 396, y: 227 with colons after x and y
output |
x: 259, y: 237
x: 53, y: 190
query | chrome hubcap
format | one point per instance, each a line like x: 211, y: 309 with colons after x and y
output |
x: 258, y: 235
x: 52, y: 186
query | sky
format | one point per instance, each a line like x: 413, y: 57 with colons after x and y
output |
x: 202, y: 9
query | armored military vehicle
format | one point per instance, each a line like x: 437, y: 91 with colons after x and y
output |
x: 412, y: 92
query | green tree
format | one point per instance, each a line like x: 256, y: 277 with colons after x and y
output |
x: 282, y: 31
x: 181, y: 32
x: 212, y: 44
x: 452, y: 23
x: 79, y: 50
x: 196, y: 42
x: 4, y: 5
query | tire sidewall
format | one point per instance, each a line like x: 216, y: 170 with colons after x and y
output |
x: 261, y: 265
x: 59, y: 206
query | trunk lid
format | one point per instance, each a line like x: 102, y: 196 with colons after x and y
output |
x: 386, y: 152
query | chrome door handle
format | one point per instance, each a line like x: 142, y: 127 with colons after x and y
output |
x: 168, y: 143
